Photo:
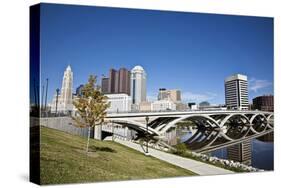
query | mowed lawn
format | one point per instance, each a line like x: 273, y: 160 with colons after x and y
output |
x: 63, y: 160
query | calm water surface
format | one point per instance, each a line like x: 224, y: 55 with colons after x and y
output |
x: 261, y: 152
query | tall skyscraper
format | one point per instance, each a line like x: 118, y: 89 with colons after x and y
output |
x: 138, y: 85
x: 113, y: 81
x: 117, y: 82
x: 105, y: 85
x: 124, y: 81
x: 64, y: 100
x: 236, y: 92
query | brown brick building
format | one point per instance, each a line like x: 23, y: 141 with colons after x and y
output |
x: 264, y: 103
x: 117, y: 82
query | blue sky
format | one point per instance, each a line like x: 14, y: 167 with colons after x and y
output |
x: 187, y: 51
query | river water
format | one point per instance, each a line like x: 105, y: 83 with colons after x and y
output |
x: 258, y: 152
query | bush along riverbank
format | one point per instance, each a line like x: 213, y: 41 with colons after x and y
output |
x: 181, y: 150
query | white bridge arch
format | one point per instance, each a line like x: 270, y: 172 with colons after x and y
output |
x: 216, y: 127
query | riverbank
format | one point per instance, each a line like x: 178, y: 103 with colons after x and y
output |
x: 222, y: 163
x: 182, y: 151
x: 63, y: 160
x: 201, y: 168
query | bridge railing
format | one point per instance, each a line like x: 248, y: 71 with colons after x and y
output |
x: 70, y: 113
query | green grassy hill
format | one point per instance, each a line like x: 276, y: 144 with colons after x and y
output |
x: 63, y: 160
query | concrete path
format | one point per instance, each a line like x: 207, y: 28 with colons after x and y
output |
x: 199, y: 168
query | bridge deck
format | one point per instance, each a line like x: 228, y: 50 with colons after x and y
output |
x: 179, y: 113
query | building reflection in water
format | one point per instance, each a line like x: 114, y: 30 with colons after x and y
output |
x: 241, y: 152
x: 257, y: 152
x: 267, y: 138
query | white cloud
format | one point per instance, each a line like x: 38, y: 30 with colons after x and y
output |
x: 198, y: 97
x: 255, y: 84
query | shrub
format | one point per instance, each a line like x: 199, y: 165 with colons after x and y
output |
x: 180, y: 149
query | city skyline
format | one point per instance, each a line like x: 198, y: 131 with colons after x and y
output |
x: 190, y: 93
x: 194, y: 54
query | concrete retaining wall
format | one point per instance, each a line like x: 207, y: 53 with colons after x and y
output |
x: 64, y: 124
x: 119, y: 131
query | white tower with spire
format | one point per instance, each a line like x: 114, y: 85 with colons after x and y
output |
x: 64, y: 102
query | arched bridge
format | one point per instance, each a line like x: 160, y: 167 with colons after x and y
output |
x: 209, y: 130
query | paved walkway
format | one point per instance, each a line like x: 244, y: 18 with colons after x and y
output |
x: 199, y: 168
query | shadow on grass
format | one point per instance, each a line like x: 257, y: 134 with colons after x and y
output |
x: 104, y: 149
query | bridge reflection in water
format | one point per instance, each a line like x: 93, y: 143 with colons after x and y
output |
x: 209, y: 130
x: 202, y: 138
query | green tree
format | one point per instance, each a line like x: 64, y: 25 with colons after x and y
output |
x: 90, y: 107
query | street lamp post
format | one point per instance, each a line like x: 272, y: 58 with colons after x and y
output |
x: 146, y: 119
x: 46, y: 94
x: 57, y: 97
x: 42, y: 99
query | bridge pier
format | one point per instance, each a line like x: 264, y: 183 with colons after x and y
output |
x: 98, y: 132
